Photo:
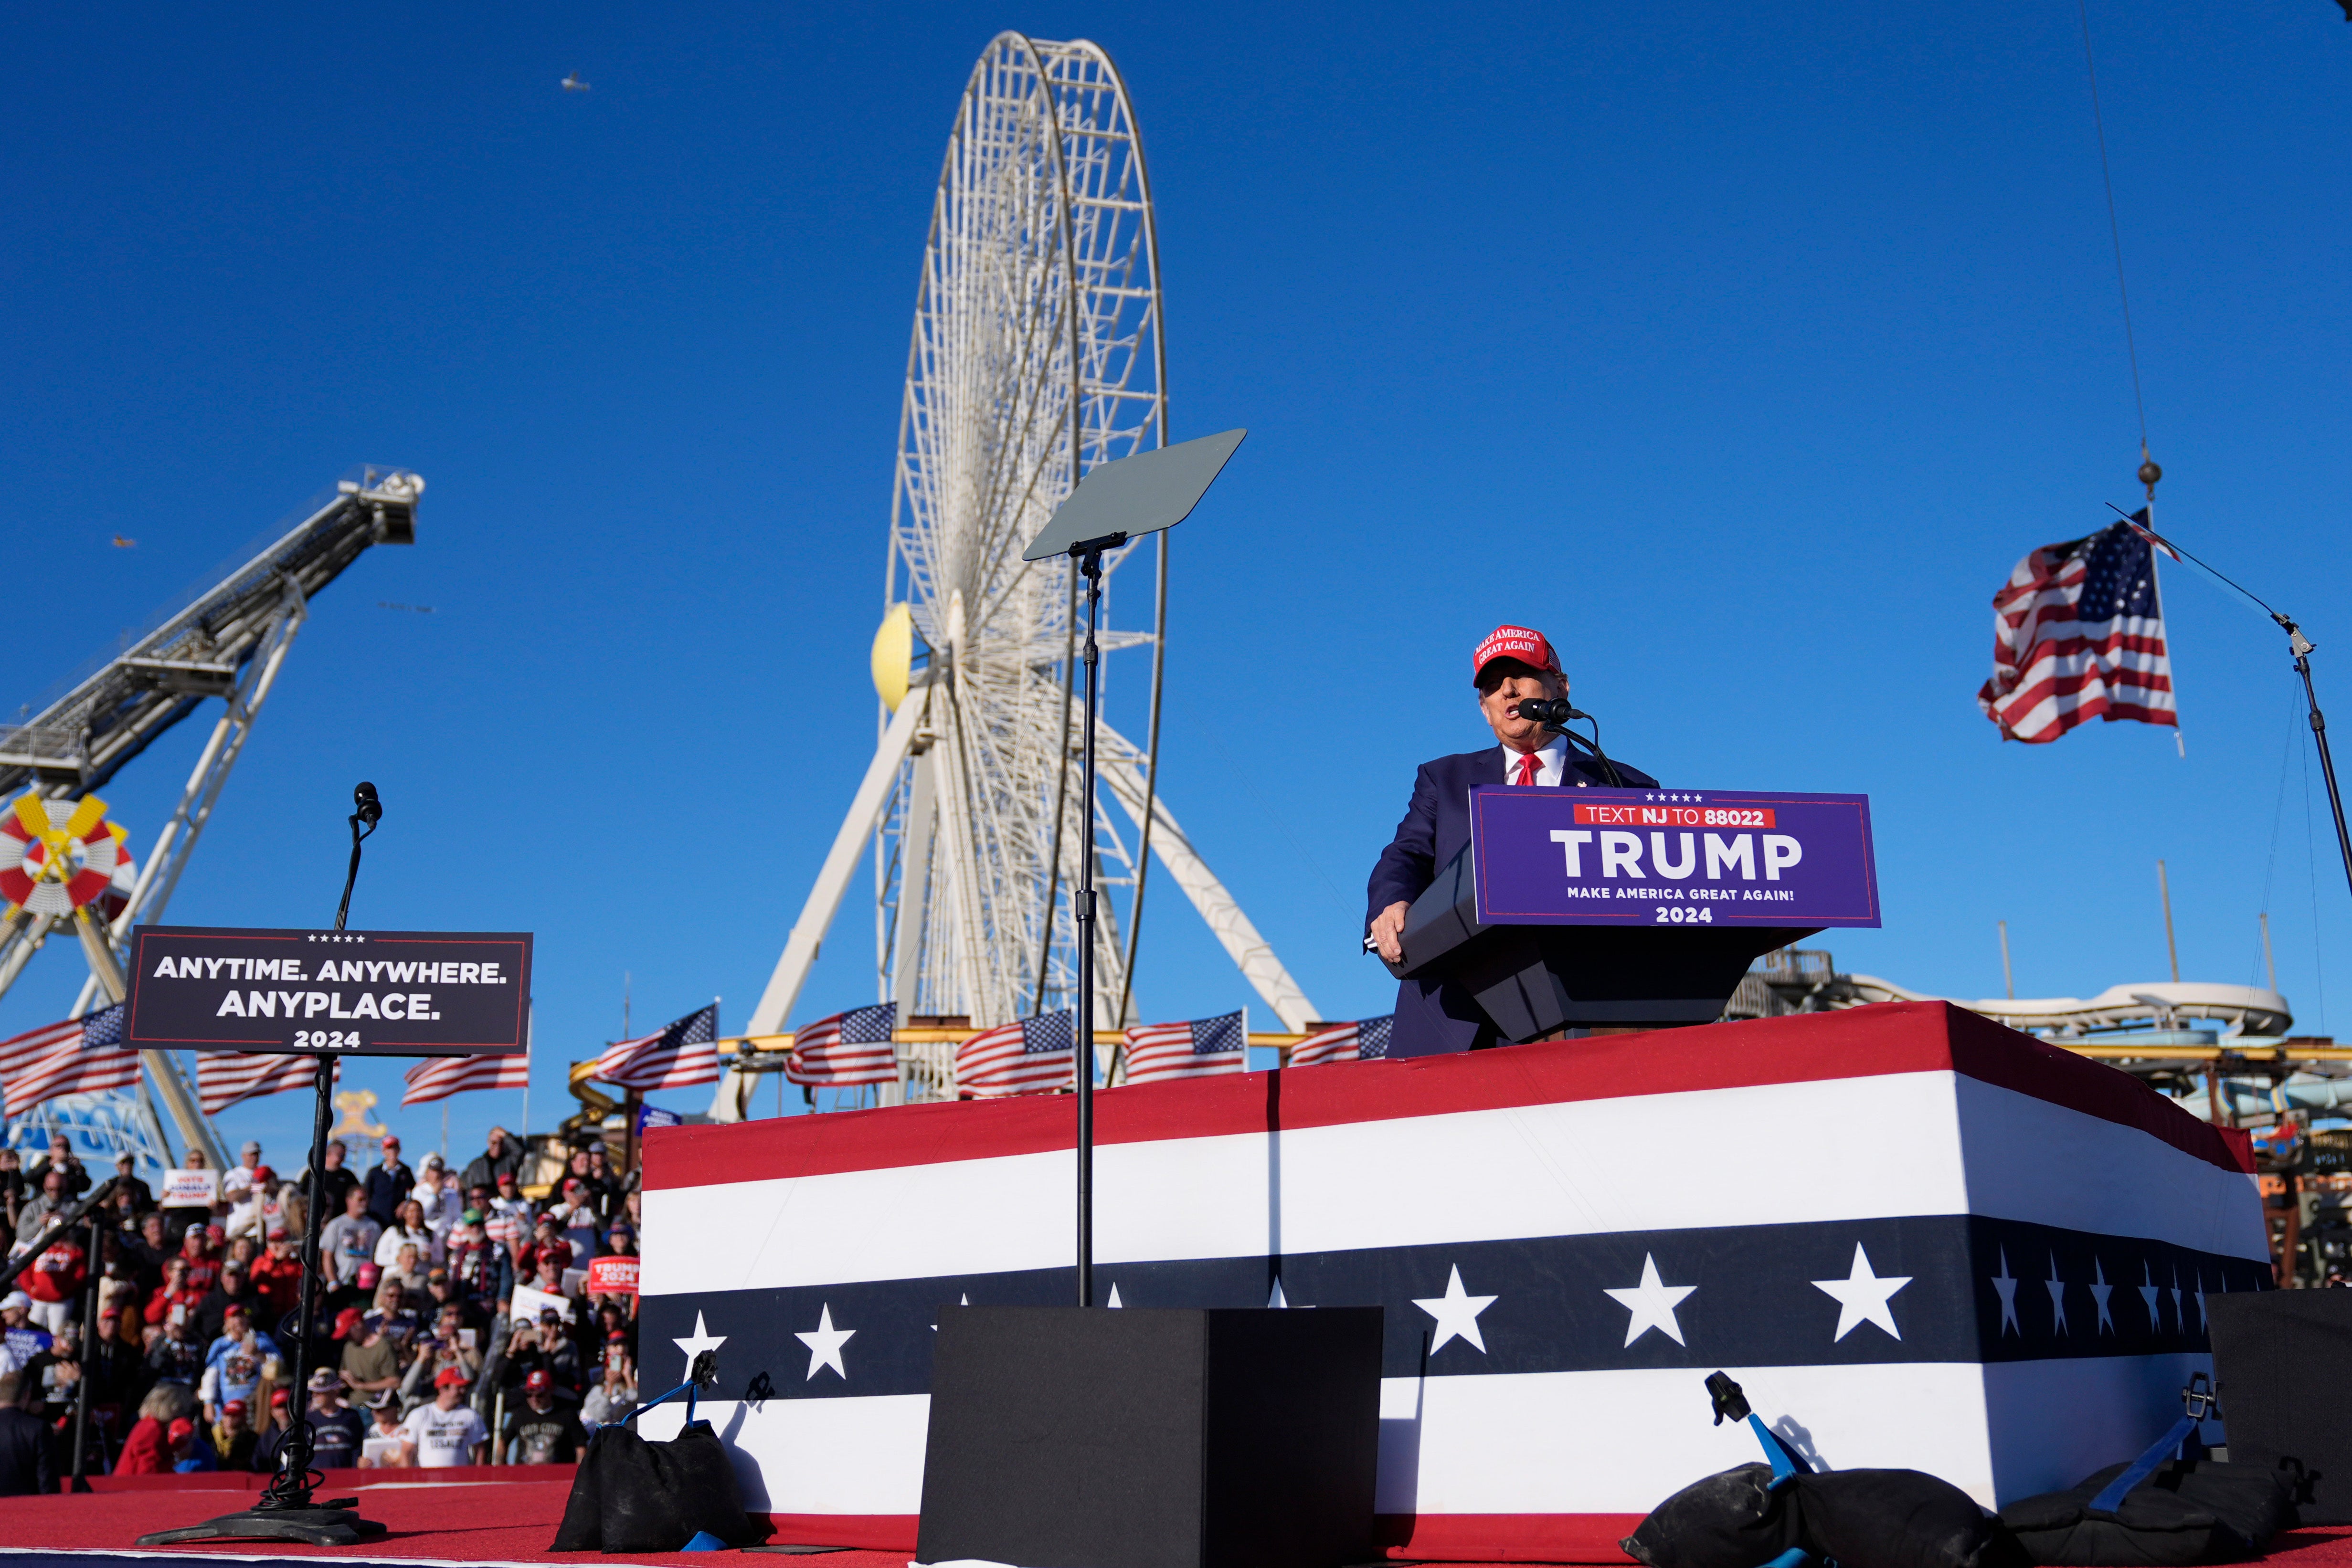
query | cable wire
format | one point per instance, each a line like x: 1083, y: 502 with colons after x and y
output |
x: 2114, y: 229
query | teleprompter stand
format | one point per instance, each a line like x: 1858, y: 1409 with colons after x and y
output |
x: 286, y: 1511
x: 1114, y: 503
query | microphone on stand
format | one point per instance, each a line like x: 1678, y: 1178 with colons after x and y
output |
x: 1554, y: 713
x: 1550, y: 713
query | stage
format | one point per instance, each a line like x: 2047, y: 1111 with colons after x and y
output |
x: 1919, y: 1239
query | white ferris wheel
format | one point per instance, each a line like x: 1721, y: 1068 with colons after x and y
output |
x: 1037, y: 355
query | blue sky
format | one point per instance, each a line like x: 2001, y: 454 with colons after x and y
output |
x: 1744, y: 351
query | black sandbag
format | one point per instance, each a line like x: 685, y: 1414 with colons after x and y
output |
x: 1734, y: 1519
x: 2195, y: 1511
x: 1898, y: 1519
x: 631, y: 1495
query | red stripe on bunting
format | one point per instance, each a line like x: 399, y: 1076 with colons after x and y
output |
x: 1859, y: 1042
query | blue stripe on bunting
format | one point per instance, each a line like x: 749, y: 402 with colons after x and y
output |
x: 1979, y: 1290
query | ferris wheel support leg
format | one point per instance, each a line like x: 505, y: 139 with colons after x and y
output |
x: 914, y: 886
x: 832, y: 882
x: 1250, y: 952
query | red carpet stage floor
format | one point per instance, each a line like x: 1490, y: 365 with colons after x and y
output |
x: 469, y: 1519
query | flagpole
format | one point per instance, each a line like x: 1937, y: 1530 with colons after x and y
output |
x: 2148, y: 475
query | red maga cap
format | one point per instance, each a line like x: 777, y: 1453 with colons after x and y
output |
x: 537, y: 1381
x: 1521, y: 643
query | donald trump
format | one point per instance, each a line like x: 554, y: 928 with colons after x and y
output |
x: 1514, y: 665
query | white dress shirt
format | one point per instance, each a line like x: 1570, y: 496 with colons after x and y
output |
x: 1551, y: 763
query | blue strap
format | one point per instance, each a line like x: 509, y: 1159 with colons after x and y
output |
x: 1795, y: 1557
x: 2111, y: 1497
x: 686, y: 1388
x: 1785, y: 1462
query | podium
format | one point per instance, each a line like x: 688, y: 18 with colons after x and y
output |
x: 1570, y: 908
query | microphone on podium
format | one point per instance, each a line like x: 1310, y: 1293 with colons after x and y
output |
x: 1554, y: 713
x: 1550, y: 713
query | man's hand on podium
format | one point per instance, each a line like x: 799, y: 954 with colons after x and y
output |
x: 1388, y: 931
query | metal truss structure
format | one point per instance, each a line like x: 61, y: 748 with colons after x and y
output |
x: 228, y: 642
x: 1037, y: 354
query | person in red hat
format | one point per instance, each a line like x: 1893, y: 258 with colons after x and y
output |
x: 447, y: 1432
x: 544, y: 1429
x: 1512, y: 665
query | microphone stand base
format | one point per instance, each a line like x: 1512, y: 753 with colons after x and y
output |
x: 332, y: 1523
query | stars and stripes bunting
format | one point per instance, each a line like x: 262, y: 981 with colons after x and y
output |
x: 847, y: 1049
x: 1160, y: 1051
x: 438, y: 1077
x: 1029, y: 1056
x: 228, y: 1078
x: 680, y: 1055
x: 1366, y: 1040
x: 2078, y: 634
x: 78, y: 1056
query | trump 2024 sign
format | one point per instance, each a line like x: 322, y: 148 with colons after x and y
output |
x: 1672, y: 857
x: 386, y: 993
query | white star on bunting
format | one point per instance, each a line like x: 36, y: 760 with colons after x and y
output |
x: 2057, y: 1288
x: 1457, y: 1313
x: 701, y: 1340
x: 824, y: 1345
x: 1862, y: 1297
x: 1652, y: 1303
x: 2100, y: 1292
x: 2007, y: 1286
x: 1275, y: 1298
x: 2148, y: 1294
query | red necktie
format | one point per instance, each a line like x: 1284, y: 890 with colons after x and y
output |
x: 1529, y: 764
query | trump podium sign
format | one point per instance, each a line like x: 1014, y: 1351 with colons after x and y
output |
x: 383, y: 993
x: 1672, y: 857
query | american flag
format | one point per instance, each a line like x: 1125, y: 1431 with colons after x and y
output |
x: 226, y: 1078
x: 677, y: 1056
x: 1158, y: 1051
x: 1366, y: 1040
x: 70, y: 1058
x: 438, y: 1077
x: 847, y: 1049
x: 1028, y: 1056
x: 2078, y: 634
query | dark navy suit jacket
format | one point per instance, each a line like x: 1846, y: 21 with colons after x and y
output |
x: 1432, y: 1017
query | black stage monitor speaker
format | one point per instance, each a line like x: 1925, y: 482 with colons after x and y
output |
x: 2278, y: 1356
x: 1074, y: 1438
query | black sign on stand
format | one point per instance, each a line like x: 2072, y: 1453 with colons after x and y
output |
x: 365, y: 993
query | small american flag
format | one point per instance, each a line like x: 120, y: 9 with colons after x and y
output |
x: 76, y: 1057
x: 438, y: 1077
x: 1028, y: 1056
x: 1366, y: 1040
x: 2078, y: 634
x: 847, y: 1049
x: 226, y: 1078
x: 680, y: 1054
x: 1159, y: 1051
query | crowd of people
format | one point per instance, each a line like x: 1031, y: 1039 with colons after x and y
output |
x: 449, y: 1303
